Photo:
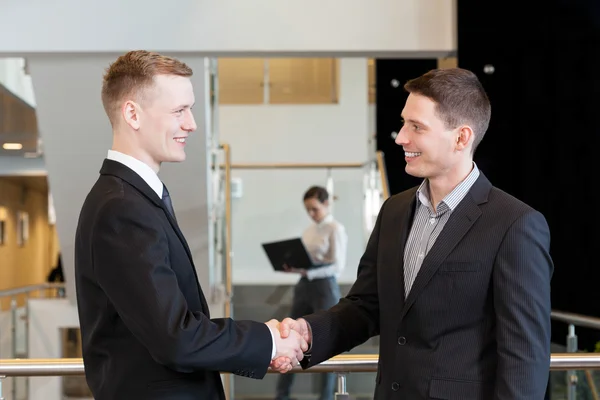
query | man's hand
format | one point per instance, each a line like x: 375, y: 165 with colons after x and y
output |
x: 289, y: 350
x: 290, y: 327
x: 299, y: 325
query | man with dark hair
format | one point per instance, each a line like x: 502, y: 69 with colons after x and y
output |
x: 145, y: 324
x: 456, y: 275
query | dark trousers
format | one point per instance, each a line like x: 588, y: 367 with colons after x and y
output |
x: 311, y: 296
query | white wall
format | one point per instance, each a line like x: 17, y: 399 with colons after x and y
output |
x: 271, y: 207
x: 77, y: 135
x: 403, y: 28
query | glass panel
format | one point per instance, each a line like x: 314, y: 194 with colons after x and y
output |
x: 372, y: 81
x: 241, y: 80
x: 73, y: 387
x: 582, y: 385
x: 303, y: 80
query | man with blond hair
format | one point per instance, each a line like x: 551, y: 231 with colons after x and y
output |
x: 145, y: 324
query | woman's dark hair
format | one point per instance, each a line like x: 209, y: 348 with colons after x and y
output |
x: 317, y: 192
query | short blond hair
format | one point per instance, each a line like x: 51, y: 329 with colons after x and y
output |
x: 133, y: 72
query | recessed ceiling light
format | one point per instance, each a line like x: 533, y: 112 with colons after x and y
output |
x: 12, y: 146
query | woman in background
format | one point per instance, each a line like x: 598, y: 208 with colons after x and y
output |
x: 326, y: 242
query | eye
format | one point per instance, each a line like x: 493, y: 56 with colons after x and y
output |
x: 416, y: 127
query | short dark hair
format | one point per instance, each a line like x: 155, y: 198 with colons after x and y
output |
x: 459, y: 96
x: 317, y: 192
x: 133, y: 72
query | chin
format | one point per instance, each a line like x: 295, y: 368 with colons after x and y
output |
x: 177, y: 157
x: 414, y: 172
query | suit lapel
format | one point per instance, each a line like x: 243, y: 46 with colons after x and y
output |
x: 402, y: 223
x: 459, y: 223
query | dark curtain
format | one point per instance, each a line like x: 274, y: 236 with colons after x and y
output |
x: 543, y: 139
x: 390, y: 96
x: 540, y: 65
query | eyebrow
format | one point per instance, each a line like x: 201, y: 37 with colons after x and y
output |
x: 413, y: 121
x: 184, y: 106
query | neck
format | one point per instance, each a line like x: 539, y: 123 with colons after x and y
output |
x: 441, y: 186
x: 124, y: 146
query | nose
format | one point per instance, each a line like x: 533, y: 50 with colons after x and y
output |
x: 401, y: 139
x: 189, y: 123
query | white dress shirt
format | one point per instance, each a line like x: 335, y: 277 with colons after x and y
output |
x: 140, y: 168
x: 326, y: 243
x: 152, y: 179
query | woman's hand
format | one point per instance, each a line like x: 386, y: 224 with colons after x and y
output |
x: 289, y: 269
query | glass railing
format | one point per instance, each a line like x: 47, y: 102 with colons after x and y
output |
x: 343, y: 365
x: 14, y: 324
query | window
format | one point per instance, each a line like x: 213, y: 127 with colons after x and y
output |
x: 278, y: 81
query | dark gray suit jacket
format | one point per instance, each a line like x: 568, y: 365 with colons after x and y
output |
x: 145, y: 324
x: 476, y: 323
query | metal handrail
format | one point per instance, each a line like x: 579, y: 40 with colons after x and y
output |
x: 385, y: 185
x: 350, y: 363
x: 296, y: 165
x: 576, y: 319
x: 228, y: 234
x: 30, y: 288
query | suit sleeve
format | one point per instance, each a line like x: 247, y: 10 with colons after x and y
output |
x: 355, y: 318
x: 131, y: 264
x: 521, y: 287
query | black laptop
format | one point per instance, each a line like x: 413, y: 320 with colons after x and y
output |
x: 291, y: 252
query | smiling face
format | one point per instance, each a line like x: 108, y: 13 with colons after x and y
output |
x: 162, y: 120
x: 431, y: 149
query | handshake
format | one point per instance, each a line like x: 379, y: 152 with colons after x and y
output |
x: 292, y: 339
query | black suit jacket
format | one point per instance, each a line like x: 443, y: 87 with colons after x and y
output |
x: 476, y: 323
x: 145, y: 323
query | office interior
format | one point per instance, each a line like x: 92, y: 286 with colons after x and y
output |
x: 279, y: 110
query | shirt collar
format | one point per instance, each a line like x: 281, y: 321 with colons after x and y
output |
x: 453, y: 198
x: 139, y: 167
x: 325, y: 220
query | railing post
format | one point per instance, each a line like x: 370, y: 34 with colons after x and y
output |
x: 341, y: 393
x: 572, y: 374
x: 26, y: 340
x: 1, y: 377
x: 13, y: 332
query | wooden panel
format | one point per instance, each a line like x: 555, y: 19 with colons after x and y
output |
x: 303, y: 80
x: 372, y: 80
x: 241, y: 80
x: 28, y: 264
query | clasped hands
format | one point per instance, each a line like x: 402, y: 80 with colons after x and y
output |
x: 292, y: 340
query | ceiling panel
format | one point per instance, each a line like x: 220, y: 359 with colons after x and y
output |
x: 18, y: 123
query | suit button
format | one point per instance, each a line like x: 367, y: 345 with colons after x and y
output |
x: 395, y: 386
x: 401, y: 340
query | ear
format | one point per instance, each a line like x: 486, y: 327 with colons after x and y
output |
x: 464, y: 137
x: 130, y: 112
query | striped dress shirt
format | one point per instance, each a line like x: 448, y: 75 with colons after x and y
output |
x: 428, y: 224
